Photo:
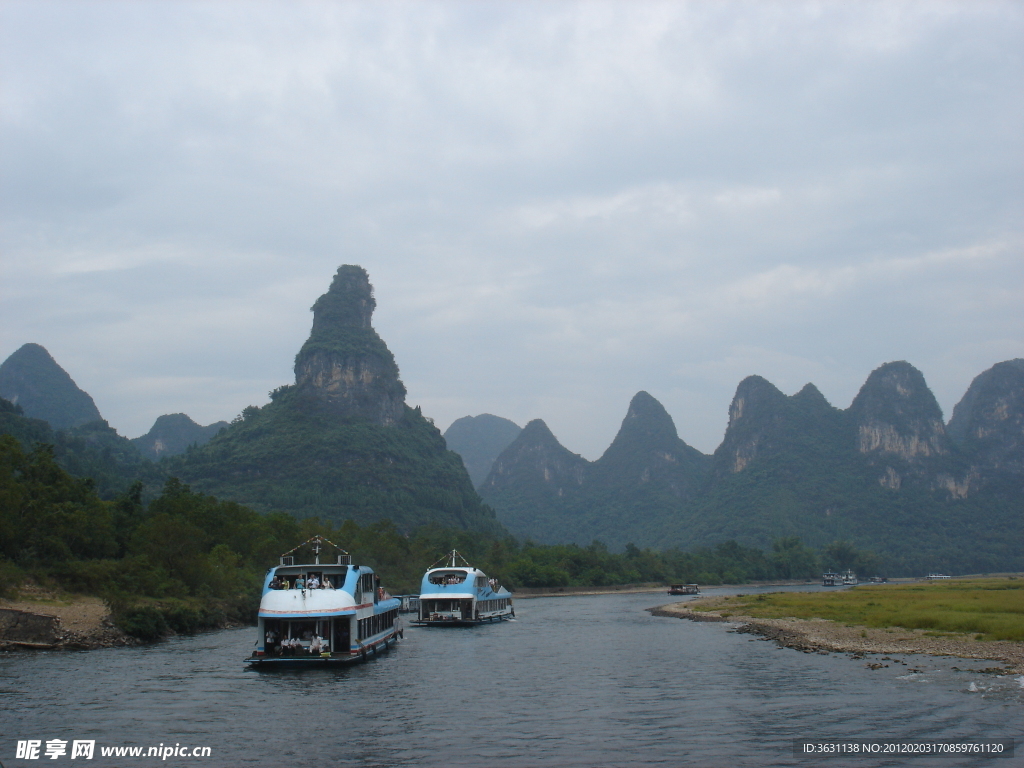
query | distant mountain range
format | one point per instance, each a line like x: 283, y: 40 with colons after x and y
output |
x: 886, y: 473
x: 40, y: 403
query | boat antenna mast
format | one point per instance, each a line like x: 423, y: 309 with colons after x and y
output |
x: 450, y: 560
x: 316, y: 543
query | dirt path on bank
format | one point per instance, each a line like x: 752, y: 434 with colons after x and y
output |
x: 82, y: 622
x: 823, y: 635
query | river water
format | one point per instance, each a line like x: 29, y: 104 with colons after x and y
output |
x: 573, y: 681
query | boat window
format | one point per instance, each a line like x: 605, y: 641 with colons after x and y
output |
x: 448, y: 577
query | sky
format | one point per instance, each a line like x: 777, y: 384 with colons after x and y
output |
x: 559, y: 204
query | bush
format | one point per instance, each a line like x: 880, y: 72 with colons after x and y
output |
x: 145, y: 622
x: 11, y: 577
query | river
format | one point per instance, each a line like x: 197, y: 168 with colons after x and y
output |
x: 573, y: 681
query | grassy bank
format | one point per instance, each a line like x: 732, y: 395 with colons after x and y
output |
x: 988, y: 609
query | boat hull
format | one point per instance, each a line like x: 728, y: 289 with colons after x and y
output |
x: 334, y: 660
x: 461, y: 622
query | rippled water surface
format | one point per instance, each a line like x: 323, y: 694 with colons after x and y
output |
x: 574, y: 681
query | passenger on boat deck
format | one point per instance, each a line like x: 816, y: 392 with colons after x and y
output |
x: 276, y: 583
x: 316, y: 644
x: 327, y: 583
x: 300, y: 583
x: 313, y: 583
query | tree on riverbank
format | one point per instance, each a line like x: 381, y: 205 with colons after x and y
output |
x: 187, y: 560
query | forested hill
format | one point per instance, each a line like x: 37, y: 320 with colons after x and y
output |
x: 32, y: 379
x: 886, y: 474
x: 173, y: 433
x: 94, y: 451
x: 340, y: 442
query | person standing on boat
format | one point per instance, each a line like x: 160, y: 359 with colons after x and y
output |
x: 314, y: 582
x: 300, y: 583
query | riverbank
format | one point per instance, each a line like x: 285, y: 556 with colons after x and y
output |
x: 43, y: 620
x: 822, y: 635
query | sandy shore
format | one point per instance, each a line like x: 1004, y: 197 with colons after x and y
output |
x: 81, y: 622
x: 814, y: 635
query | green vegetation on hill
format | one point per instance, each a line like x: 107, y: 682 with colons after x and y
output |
x: 292, y: 456
x: 172, y: 434
x: 187, y: 560
x: 93, y: 450
x: 342, y: 321
x: 882, y: 475
x: 913, y: 531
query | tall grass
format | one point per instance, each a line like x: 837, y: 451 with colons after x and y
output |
x: 991, y: 608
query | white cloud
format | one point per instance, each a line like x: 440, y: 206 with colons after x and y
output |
x: 558, y: 203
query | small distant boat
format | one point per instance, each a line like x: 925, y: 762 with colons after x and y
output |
x: 684, y: 589
x: 328, y: 613
x: 850, y: 579
x: 460, y: 595
x: 933, y: 576
x: 831, y: 579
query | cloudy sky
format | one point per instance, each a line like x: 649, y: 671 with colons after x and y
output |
x: 559, y: 204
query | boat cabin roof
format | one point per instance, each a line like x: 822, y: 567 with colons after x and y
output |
x: 451, y: 575
x: 295, y: 570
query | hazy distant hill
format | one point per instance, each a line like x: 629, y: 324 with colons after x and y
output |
x: 543, y: 491
x: 988, y: 425
x: 885, y: 474
x: 31, y: 378
x: 173, y: 433
x: 479, y: 440
x: 93, y: 450
x: 340, y: 442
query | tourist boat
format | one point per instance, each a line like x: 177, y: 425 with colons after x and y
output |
x: 684, y: 589
x: 460, y: 595
x: 935, y: 576
x: 323, y: 613
x: 850, y: 579
x: 831, y: 579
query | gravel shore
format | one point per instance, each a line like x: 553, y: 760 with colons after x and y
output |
x: 814, y: 635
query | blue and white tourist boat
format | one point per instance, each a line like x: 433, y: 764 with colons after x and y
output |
x: 456, y: 595
x: 315, y: 613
